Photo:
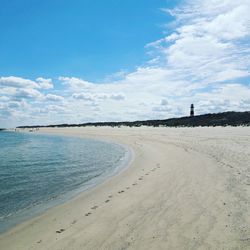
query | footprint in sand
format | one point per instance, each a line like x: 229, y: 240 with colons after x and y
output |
x: 107, y: 201
x: 87, y: 214
x: 94, y: 207
x: 140, y: 179
x: 60, y: 231
x: 134, y: 184
x: 127, y: 187
x: 73, y: 222
x: 122, y: 191
x: 110, y: 196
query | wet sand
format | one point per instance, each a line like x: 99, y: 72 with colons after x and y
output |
x: 187, y: 188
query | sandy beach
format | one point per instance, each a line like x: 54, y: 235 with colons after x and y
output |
x: 186, y: 188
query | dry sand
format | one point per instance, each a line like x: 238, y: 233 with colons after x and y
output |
x: 187, y: 188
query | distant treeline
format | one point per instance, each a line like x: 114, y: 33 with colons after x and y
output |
x: 219, y: 119
x: 1, y: 129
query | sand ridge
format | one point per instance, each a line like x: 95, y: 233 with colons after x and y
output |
x: 187, y: 188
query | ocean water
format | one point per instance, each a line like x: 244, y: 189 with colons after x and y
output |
x: 39, y: 171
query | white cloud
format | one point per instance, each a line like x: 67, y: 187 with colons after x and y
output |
x: 101, y: 96
x: 17, y: 82
x: 55, y: 98
x: 98, y: 96
x: 204, y: 59
x: 164, y: 109
x: 27, y: 93
x: 18, y: 104
x: 83, y: 96
x: 208, y: 41
x: 57, y: 108
x: 14, y: 104
x: 164, y: 102
x: 117, y: 97
x: 4, y: 98
x: 45, y: 83
x: 75, y: 83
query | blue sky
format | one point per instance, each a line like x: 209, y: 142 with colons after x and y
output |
x: 82, y: 38
x: 82, y: 60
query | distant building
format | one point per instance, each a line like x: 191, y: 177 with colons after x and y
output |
x: 192, y: 110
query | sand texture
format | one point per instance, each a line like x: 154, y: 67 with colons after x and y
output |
x: 187, y: 188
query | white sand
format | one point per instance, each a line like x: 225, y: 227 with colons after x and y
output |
x: 187, y: 188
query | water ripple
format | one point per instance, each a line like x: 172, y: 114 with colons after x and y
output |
x: 35, y: 169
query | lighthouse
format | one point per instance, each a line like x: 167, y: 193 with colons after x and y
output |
x: 192, y: 110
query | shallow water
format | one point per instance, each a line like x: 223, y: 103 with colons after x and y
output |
x: 39, y: 171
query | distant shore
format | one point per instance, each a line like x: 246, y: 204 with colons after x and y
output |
x: 187, y: 188
x: 230, y: 118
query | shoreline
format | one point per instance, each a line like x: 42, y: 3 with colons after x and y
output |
x: 27, y: 214
x: 179, y: 193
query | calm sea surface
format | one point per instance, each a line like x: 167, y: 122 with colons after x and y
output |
x: 39, y: 171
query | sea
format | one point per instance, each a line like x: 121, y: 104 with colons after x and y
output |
x: 39, y: 171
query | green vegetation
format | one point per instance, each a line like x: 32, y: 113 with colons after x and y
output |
x: 220, y: 119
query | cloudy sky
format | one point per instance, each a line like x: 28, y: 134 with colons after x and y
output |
x: 85, y: 61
